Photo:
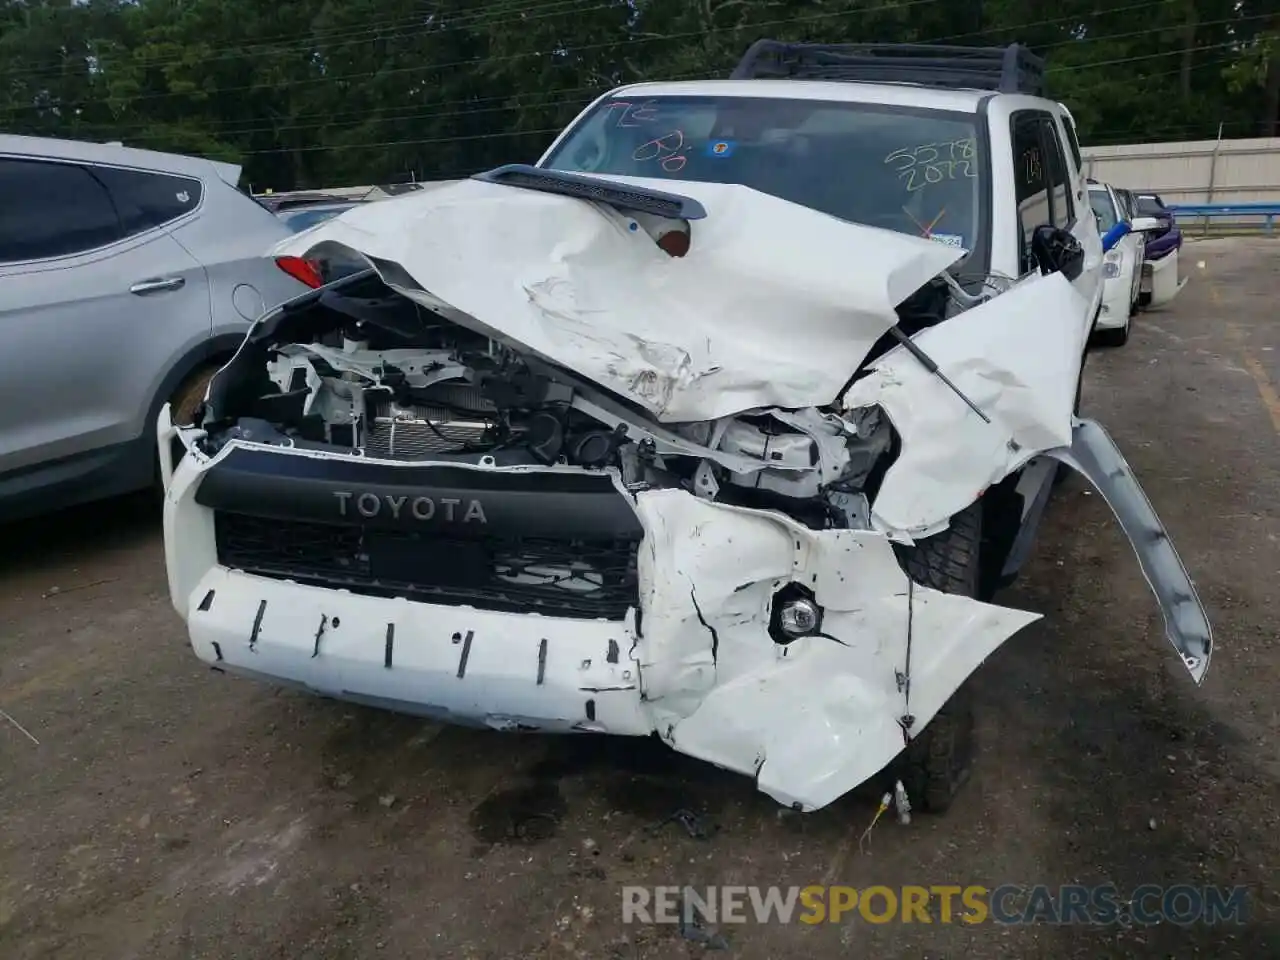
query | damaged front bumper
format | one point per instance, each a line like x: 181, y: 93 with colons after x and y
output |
x: 694, y: 661
x: 636, y: 503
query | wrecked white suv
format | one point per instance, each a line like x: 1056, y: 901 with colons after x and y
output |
x: 723, y: 422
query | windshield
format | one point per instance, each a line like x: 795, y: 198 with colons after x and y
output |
x: 1103, y: 208
x: 297, y: 222
x: 1151, y: 207
x: 918, y: 172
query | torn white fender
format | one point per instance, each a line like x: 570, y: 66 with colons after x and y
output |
x: 1018, y: 358
x: 814, y: 718
x: 1095, y: 456
x: 774, y: 305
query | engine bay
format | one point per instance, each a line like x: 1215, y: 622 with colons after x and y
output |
x: 361, y: 370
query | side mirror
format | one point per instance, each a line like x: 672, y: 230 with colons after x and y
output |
x: 1057, y: 251
x: 1145, y: 224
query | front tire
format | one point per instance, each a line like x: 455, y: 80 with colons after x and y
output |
x: 938, y: 760
x: 1116, y: 337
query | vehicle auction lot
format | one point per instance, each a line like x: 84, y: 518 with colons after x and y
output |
x: 168, y: 811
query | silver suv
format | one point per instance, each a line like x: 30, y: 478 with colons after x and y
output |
x: 126, y: 278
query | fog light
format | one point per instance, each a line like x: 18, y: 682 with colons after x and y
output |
x: 799, y: 618
x: 795, y: 613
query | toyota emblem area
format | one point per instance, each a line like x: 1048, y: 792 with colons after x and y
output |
x: 369, y: 505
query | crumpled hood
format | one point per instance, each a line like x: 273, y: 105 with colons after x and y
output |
x: 774, y: 304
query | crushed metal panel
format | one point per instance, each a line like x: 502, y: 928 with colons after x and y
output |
x: 1095, y: 456
x: 774, y: 304
x: 814, y: 718
x: 1018, y: 358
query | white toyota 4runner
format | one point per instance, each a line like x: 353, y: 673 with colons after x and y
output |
x: 723, y: 422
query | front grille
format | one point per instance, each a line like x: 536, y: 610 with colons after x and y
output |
x: 582, y: 579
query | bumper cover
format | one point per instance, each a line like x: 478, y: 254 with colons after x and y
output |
x: 1115, y: 302
x: 694, y: 661
x: 1160, y: 279
x: 456, y: 664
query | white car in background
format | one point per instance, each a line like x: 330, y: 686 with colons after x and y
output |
x: 1121, y: 267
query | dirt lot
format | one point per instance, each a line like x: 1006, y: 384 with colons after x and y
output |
x: 170, y: 812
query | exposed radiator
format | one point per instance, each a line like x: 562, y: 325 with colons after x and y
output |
x: 419, y: 432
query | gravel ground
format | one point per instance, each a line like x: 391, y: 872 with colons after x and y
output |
x: 170, y: 812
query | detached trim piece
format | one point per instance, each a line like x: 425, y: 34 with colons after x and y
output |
x: 672, y: 206
x: 1011, y: 69
x: 1094, y: 455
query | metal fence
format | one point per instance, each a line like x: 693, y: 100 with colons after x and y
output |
x: 1195, y: 172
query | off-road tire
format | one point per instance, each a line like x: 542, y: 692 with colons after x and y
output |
x: 938, y: 760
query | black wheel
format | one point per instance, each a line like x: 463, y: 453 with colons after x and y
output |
x: 938, y: 760
x: 1115, y: 337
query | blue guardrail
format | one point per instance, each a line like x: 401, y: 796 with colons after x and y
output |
x: 1268, y: 211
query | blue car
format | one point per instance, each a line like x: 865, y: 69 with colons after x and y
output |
x: 1159, y: 245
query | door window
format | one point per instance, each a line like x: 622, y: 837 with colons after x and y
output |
x: 1042, y: 187
x: 1103, y: 209
x: 1073, y: 142
x: 147, y: 200
x: 1061, y: 208
x: 52, y: 210
x: 1031, y: 186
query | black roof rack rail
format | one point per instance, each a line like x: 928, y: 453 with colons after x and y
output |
x: 1011, y: 69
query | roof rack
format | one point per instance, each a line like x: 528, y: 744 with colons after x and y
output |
x: 1011, y: 69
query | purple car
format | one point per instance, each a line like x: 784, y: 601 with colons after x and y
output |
x: 1169, y: 238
